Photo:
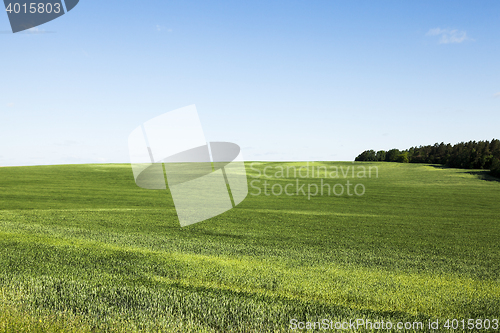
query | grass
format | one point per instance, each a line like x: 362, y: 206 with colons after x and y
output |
x: 83, y: 249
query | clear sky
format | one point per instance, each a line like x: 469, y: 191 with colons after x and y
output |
x: 286, y: 80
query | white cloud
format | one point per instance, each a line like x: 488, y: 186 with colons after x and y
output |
x: 497, y: 94
x: 35, y: 30
x: 162, y: 28
x: 10, y: 105
x: 449, y: 36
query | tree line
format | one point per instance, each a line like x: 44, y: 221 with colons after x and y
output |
x: 463, y: 155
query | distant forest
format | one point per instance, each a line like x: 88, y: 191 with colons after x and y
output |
x: 464, y: 155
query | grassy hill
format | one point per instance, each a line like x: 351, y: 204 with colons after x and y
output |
x: 83, y: 249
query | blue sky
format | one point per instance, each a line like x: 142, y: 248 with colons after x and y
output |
x: 286, y: 80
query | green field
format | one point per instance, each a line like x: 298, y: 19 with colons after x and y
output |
x: 83, y: 249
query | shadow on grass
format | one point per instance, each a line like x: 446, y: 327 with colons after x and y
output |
x: 484, y: 175
x: 439, y: 166
x: 481, y: 174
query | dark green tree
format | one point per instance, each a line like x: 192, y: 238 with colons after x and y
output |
x: 495, y: 167
x: 464, y: 155
x: 392, y: 155
x: 367, y: 155
x: 380, y: 155
x: 403, y: 157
